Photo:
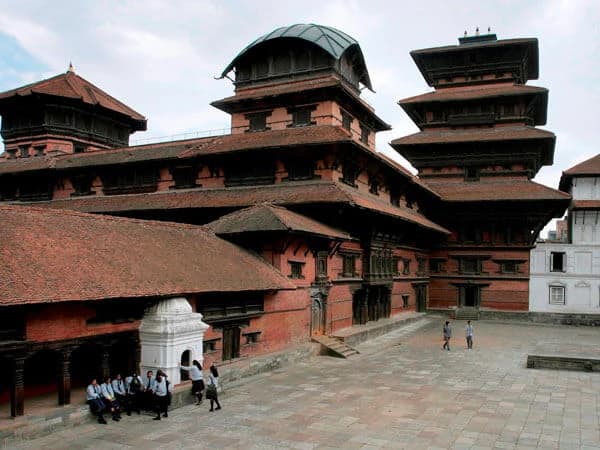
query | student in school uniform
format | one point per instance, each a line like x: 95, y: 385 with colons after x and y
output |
x: 148, y: 396
x: 135, y: 392
x: 94, y: 398
x: 108, y: 395
x: 162, y: 390
x: 195, y: 371
x: 211, y: 390
x: 118, y: 387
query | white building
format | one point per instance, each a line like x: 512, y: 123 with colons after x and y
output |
x: 565, y: 277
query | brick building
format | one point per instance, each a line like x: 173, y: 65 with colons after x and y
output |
x: 300, y: 182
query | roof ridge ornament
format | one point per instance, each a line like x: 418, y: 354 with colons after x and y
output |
x: 71, y: 69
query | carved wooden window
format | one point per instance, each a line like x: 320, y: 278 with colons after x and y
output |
x: 24, y: 151
x: 349, y: 266
x: 557, y: 295
x: 296, y: 269
x: 209, y: 345
x: 184, y: 177
x: 406, y: 267
x: 471, y: 174
x: 436, y: 265
x: 394, y: 198
x: 321, y: 265
x: 78, y: 148
x: 438, y: 116
x: 395, y: 266
x: 349, y: 173
x: 470, y: 265
x: 405, y: 301
x: 245, y: 171
x: 130, y: 181
x: 300, y: 170
x: 258, y: 121
x: 301, y: 117
x: 373, y: 186
x: 508, y: 109
x: 223, y: 307
x: 509, y: 266
x: 365, y: 132
x: 346, y: 121
x: 251, y: 337
x: 82, y: 185
x: 421, y: 266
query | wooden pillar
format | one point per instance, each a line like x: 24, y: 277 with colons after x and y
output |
x: 64, y: 376
x: 105, y: 362
x: 17, y: 387
x: 364, y: 307
x: 137, y: 354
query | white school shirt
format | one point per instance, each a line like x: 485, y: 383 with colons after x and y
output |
x: 195, y: 373
x: 118, y: 387
x: 469, y: 330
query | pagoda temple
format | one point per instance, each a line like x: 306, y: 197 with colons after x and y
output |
x: 479, y: 149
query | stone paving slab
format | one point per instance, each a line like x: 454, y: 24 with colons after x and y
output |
x: 402, y: 391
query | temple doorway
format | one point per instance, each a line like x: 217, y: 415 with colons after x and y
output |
x: 317, y: 322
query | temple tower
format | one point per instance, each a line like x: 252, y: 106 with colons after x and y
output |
x: 479, y: 148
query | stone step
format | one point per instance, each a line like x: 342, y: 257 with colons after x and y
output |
x: 466, y: 314
x: 335, y: 347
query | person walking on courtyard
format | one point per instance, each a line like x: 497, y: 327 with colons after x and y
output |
x: 195, y: 371
x: 469, y: 331
x: 211, y: 389
x: 447, y: 332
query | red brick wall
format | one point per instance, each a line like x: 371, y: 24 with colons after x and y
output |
x: 54, y: 322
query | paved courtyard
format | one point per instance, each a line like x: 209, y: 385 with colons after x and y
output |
x: 403, y: 391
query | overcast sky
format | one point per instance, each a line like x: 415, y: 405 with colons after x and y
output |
x: 161, y: 57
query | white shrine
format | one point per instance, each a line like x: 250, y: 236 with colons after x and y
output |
x: 169, y: 329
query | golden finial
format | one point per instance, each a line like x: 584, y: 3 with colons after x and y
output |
x: 477, y: 31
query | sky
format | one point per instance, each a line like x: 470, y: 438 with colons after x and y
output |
x: 161, y: 57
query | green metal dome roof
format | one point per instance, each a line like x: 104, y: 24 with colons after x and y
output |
x: 334, y: 42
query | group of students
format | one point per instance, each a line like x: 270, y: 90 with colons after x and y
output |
x: 153, y: 393
x: 447, y: 334
x: 198, y: 385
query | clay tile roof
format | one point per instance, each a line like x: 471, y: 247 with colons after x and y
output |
x: 504, y: 191
x: 32, y: 163
x: 474, y: 92
x: 53, y: 256
x: 437, y: 136
x: 324, y: 134
x: 267, y: 217
x: 590, y: 166
x: 406, y: 172
x: 123, y: 155
x: 71, y: 85
x: 312, y: 192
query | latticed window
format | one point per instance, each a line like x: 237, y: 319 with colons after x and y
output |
x: 258, y: 121
x: 349, y: 266
x: 365, y: 132
x: 557, y: 295
x: 296, y: 269
x: 346, y: 121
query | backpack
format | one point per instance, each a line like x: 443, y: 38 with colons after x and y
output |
x: 135, y: 386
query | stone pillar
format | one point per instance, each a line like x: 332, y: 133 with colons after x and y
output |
x: 64, y: 376
x: 168, y: 329
x: 17, y: 387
